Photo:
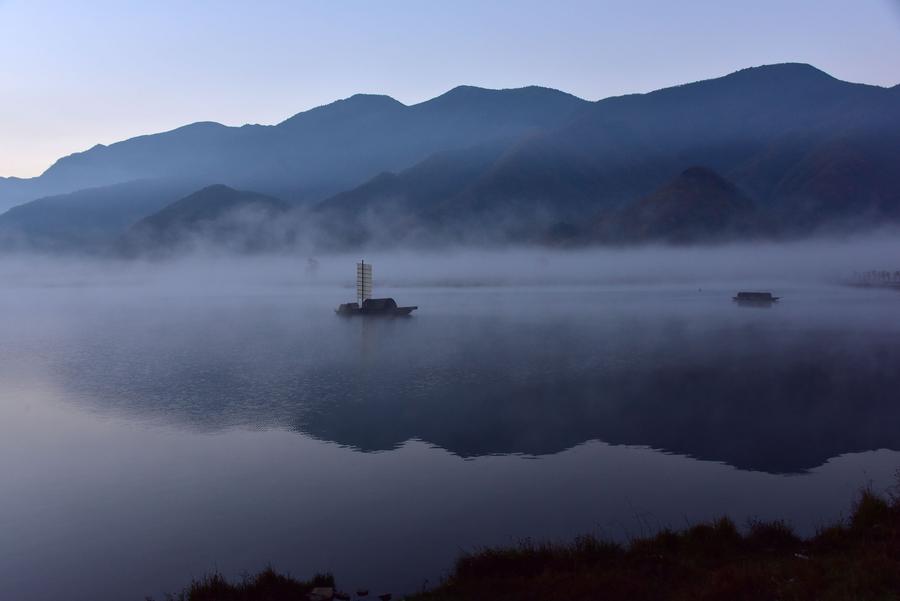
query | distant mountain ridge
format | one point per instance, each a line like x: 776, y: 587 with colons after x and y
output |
x: 312, y: 154
x: 775, y: 150
x: 806, y: 148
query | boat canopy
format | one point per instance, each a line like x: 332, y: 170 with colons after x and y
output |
x: 755, y: 296
x: 379, y: 304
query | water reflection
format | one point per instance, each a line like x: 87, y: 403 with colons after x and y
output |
x: 483, y: 373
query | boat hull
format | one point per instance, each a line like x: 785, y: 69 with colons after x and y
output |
x: 755, y: 303
x: 755, y: 299
x: 387, y: 312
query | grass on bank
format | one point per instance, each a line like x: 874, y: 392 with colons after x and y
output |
x: 268, y: 585
x: 856, y: 559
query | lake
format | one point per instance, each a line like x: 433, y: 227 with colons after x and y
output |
x: 151, y: 433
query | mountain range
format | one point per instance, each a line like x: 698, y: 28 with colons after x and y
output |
x: 778, y: 150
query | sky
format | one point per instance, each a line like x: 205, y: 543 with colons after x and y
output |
x: 74, y: 74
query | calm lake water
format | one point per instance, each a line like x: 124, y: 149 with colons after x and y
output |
x: 148, y: 436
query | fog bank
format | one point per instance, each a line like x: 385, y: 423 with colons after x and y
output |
x: 811, y: 261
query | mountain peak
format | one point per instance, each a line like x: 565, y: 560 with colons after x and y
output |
x: 356, y: 104
x: 467, y: 93
x: 789, y: 67
x: 466, y: 90
x: 766, y: 79
x: 371, y: 100
x: 461, y: 96
x: 215, y: 189
x: 698, y: 204
x: 206, y: 204
x: 783, y: 72
x: 216, y: 214
x: 215, y: 199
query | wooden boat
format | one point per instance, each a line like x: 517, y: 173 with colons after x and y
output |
x: 380, y: 307
x: 375, y: 306
x: 755, y: 298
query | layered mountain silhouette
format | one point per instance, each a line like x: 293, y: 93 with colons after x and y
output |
x: 806, y: 149
x: 698, y: 205
x: 88, y: 219
x: 778, y: 150
x: 312, y: 154
x: 214, y: 215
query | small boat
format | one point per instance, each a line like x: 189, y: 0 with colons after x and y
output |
x: 878, y: 278
x: 375, y: 306
x: 755, y: 298
x: 365, y: 305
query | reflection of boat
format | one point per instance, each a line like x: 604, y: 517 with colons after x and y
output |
x: 370, y: 306
x: 755, y: 298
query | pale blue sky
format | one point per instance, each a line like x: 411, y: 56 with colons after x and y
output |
x: 73, y: 74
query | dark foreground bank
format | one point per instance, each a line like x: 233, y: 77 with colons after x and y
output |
x: 858, y: 558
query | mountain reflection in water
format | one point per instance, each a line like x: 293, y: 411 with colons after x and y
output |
x: 503, y: 371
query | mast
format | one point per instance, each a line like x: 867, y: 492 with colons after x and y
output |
x: 363, y: 282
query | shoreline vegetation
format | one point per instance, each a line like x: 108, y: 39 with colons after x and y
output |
x: 856, y: 558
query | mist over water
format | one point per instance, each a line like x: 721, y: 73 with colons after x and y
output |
x: 162, y: 419
x: 813, y: 260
